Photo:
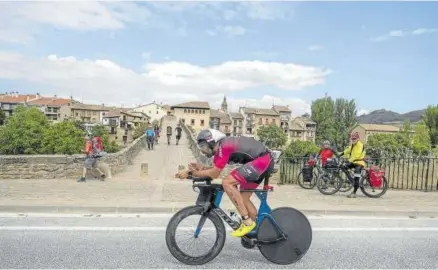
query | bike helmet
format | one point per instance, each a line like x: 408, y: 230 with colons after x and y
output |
x: 210, y: 137
x: 326, y: 142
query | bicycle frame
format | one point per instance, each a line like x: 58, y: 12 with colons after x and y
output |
x: 214, y: 199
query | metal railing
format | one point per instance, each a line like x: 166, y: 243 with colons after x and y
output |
x: 415, y: 173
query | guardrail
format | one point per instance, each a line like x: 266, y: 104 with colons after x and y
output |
x: 402, y: 173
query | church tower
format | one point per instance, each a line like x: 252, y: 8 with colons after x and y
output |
x: 224, y: 105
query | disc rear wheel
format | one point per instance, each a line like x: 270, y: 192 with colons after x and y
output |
x: 299, y: 236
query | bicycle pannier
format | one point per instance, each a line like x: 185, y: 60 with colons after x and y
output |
x: 376, y: 176
x: 307, y: 172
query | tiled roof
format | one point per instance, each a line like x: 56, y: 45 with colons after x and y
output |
x: 295, y: 126
x: 236, y: 115
x: 260, y: 111
x: 375, y: 127
x: 48, y: 101
x: 91, y: 107
x: 12, y: 98
x: 306, y: 120
x: 193, y: 104
x: 112, y: 114
x: 215, y: 113
x: 225, y: 118
x: 278, y: 108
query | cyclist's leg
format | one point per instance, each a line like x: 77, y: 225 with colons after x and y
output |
x: 249, y: 177
x: 356, y: 175
x: 250, y: 207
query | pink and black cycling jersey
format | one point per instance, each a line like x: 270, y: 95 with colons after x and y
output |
x: 240, y: 150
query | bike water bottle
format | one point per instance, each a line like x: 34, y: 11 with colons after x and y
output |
x: 235, y: 217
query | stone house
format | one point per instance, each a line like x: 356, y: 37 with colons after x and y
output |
x: 258, y: 117
x: 195, y: 114
x: 302, y: 129
x: 55, y: 109
x: 120, y: 124
x: 285, y: 116
x: 154, y: 110
x: 237, y: 125
x: 366, y: 130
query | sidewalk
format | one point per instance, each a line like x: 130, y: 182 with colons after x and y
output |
x: 125, y: 195
x: 161, y: 192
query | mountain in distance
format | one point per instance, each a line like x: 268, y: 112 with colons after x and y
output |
x: 389, y: 117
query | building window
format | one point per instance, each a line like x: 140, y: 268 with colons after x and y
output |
x: 266, y: 121
x: 202, y: 122
x: 192, y: 122
x: 203, y: 111
x: 260, y: 121
x: 77, y: 114
x: 185, y: 110
x: 273, y: 122
x: 192, y: 111
x: 157, y: 112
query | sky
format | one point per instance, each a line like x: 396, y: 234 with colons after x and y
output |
x: 382, y: 54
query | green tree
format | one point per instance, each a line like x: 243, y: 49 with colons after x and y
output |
x: 23, y: 132
x: 139, y: 130
x: 405, y: 134
x: 421, y: 141
x: 385, y: 144
x: 430, y: 118
x: 272, y: 136
x: 301, y: 148
x: 110, y: 147
x: 63, y: 138
x: 2, y: 117
x: 323, y: 113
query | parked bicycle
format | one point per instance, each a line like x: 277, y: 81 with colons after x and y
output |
x: 341, y: 178
x: 282, y: 235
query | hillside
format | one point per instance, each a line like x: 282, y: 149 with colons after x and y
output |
x: 384, y: 116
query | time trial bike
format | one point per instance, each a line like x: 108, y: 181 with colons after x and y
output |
x: 283, y: 235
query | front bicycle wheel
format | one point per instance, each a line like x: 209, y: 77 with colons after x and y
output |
x: 205, y: 253
x: 328, y: 184
x: 371, y: 191
x: 298, y: 230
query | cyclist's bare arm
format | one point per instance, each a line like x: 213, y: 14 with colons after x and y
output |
x: 212, y: 172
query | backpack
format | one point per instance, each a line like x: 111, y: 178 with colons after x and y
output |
x: 150, y: 133
x: 169, y: 130
x: 376, y: 176
x: 97, y: 147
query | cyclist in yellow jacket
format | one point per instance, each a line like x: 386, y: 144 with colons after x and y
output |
x: 356, y: 155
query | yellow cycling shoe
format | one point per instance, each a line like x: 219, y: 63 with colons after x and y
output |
x: 243, y: 230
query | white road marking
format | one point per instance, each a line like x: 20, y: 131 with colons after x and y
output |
x: 169, y: 215
x: 161, y: 228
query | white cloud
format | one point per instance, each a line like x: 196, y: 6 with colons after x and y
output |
x: 403, y: 33
x: 362, y: 112
x: 171, y: 82
x: 267, y: 11
x: 315, y: 48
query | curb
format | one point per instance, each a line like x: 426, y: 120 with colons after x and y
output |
x: 144, y: 210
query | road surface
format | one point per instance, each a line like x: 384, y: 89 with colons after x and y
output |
x: 137, y: 241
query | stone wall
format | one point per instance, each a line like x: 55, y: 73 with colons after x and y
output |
x: 62, y: 166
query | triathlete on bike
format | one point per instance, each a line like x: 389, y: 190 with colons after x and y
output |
x: 256, y: 159
x: 356, y: 158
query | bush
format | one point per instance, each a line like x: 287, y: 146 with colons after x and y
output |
x: 63, y: 138
x: 23, y: 132
x: 139, y: 130
x: 301, y: 149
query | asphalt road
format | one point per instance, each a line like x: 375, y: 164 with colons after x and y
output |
x: 131, y: 241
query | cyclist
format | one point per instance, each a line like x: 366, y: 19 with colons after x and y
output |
x: 168, y: 133
x: 356, y: 155
x: 256, y: 159
x: 325, y: 153
x: 178, y: 130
